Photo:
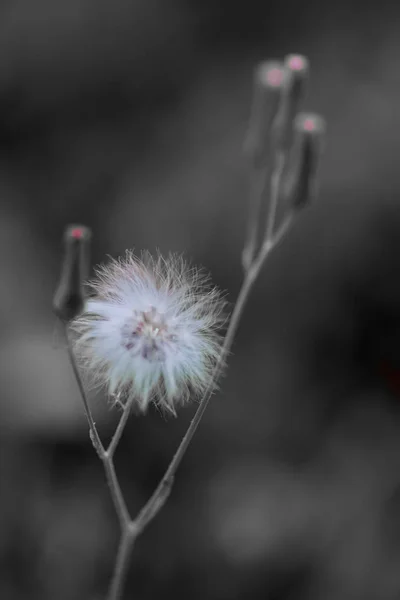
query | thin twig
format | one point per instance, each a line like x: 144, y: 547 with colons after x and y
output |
x: 105, y: 456
x: 120, y: 428
x: 158, y: 498
x: 121, y: 564
x: 259, y: 182
x: 121, y: 509
x: 278, y: 236
x: 94, y: 436
x: 131, y: 529
x: 276, y: 181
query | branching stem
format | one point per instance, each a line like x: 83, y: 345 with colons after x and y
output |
x: 132, y: 528
x: 106, y: 456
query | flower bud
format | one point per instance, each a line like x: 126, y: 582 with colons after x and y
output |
x: 268, y: 82
x: 309, y: 130
x: 296, y: 71
x: 69, y: 299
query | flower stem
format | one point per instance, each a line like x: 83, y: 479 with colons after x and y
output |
x: 106, y: 456
x: 276, y: 182
x: 94, y: 436
x: 121, y: 564
x: 160, y: 495
x: 116, y: 492
x: 259, y: 184
x: 120, y: 428
x: 131, y: 529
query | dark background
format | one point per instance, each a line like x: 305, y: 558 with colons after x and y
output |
x: 129, y: 116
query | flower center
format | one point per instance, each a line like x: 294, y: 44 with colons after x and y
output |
x: 147, y: 335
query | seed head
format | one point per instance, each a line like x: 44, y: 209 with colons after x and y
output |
x: 149, y: 330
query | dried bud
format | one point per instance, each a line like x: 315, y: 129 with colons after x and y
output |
x: 69, y: 299
x: 307, y: 150
x: 268, y: 81
x: 294, y: 88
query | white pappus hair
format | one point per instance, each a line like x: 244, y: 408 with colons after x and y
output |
x: 150, y: 330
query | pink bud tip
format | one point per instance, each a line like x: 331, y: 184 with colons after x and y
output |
x: 309, y: 125
x: 296, y: 63
x: 274, y: 77
x: 77, y: 233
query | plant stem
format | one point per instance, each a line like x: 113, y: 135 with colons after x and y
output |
x: 160, y: 495
x: 131, y: 529
x: 122, y: 563
x: 120, y: 428
x: 106, y: 456
x: 276, y: 181
x: 94, y: 436
x: 116, y: 492
x: 259, y: 183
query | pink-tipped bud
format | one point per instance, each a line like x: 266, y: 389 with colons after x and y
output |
x: 309, y: 131
x: 268, y: 84
x: 296, y: 69
x: 69, y: 299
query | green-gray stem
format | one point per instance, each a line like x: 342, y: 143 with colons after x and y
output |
x: 106, y: 456
x: 158, y: 498
x: 276, y: 181
x: 126, y: 544
x: 131, y: 529
x: 94, y: 436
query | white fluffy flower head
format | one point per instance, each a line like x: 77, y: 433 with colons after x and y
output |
x: 150, y: 330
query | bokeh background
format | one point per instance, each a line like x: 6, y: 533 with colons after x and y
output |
x: 129, y: 116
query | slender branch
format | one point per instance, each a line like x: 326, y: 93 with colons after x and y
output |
x: 120, y: 428
x: 121, y: 509
x: 121, y: 564
x: 94, y: 436
x: 276, y: 181
x: 130, y: 529
x: 278, y: 236
x: 105, y: 456
x: 259, y: 182
x: 264, y: 183
x: 162, y: 491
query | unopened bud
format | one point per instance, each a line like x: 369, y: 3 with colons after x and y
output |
x: 268, y: 82
x: 309, y: 130
x: 69, y: 299
x: 296, y: 70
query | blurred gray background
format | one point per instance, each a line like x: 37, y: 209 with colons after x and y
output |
x: 129, y: 116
